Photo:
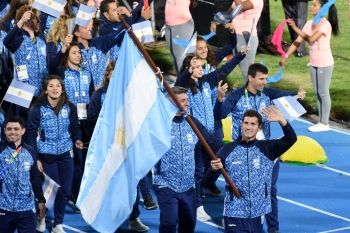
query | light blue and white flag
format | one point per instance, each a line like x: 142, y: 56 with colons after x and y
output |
x: 50, y: 188
x: 143, y: 31
x: 289, y: 107
x: 84, y: 15
x: 131, y: 134
x: 20, y: 93
x: 51, y: 7
x: 191, y: 47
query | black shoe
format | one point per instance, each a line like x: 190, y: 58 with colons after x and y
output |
x: 213, y: 189
x: 149, y: 204
x: 74, y: 207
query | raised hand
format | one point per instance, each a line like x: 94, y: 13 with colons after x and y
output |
x: 222, y: 89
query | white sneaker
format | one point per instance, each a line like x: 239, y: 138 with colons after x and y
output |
x: 137, y: 225
x: 41, y: 225
x: 58, y: 229
x: 319, y: 127
x: 202, y: 215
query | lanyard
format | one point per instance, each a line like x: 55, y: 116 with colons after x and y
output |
x: 11, y: 160
x: 14, y: 155
x: 247, y: 103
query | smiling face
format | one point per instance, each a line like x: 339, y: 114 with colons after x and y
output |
x: 315, y: 7
x: 250, y: 127
x: 257, y: 83
x: 201, y: 50
x: 14, y: 132
x: 54, y: 89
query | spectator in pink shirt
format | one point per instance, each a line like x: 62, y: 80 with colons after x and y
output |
x: 321, y: 61
x: 179, y: 25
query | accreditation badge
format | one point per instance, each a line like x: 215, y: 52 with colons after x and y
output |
x: 82, y: 111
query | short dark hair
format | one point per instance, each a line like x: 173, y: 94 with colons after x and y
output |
x: 179, y: 90
x: 253, y: 113
x: 104, y: 5
x: 255, y: 68
x: 14, y: 119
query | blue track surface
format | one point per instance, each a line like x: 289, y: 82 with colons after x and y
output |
x: 311, y: 198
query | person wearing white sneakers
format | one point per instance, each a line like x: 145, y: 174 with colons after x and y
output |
x: 318, y: 34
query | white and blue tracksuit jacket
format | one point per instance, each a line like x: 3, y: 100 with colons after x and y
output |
x: 176, y: 168
x: 250, y: 164
x: 201, y: 105
x: 30, y: 53
x: 240, y: 100
x: 20, y: 182
x: 52, y: 133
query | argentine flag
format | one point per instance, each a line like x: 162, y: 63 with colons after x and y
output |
x: 19, y: 93
x: 51, y: 7
x: 84, y: 15
x: 130, y: 136
x: 290, y: 108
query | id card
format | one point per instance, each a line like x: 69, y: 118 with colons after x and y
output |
x: 82, y: 111
x: 22, y: 72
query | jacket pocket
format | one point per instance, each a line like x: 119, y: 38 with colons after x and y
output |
x: 265, y: 190
x: 1, y: 186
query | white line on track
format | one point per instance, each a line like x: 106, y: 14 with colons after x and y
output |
x: 73, y: 229
x: 332, y: 169
x: 335, y: 230
x: 213, y: 225
x: 308, y: 207
x: 333, y: 129
x: 314, y: 209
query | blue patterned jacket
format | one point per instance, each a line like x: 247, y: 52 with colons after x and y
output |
x: 250, y: 164
x: 240, y: 100
x: 176, y: 168
x: 95, y: 57
x: 20, y: 181
x: 201, y: 105
x: 29, y: 53
x: 50, y: 133
x: 77, y: 85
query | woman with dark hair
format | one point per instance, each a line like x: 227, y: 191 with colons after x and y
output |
x: 179, y: 25
x: 53, y: 130
x: 321, y: 61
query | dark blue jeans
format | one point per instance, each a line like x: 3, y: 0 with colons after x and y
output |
x: 135, y: 209
x: 145, y: 185
x: 24, y: 221
x: 243, y: 225
x: 60, y: 169
x: 176, y: 209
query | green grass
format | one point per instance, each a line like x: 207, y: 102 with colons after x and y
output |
x: 296, y: 72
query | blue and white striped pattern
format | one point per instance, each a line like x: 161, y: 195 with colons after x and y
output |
x: 50, y: 188
x: 131, y: 134
x: 84, y: 15
x: 51, y: 7
x: 289, y: 107
x: 20, y: 93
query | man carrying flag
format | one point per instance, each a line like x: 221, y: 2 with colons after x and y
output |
x: 174, y: 175
x: 131, y: 134
x: 20, y: 181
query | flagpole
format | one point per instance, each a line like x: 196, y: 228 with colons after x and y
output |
x: 174, y: 98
